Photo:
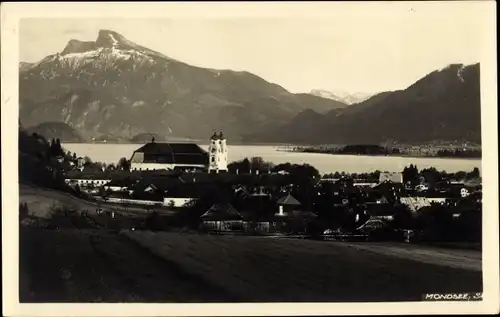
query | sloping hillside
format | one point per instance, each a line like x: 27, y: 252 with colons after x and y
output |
x: 444, y: 105
x: 56, y: 130
x: 118, y: 88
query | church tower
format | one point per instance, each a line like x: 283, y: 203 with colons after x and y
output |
x: 217, y: 153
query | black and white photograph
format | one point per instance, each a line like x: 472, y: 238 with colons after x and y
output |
x: 250, y: 153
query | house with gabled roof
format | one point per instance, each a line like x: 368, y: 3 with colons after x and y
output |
x: 182, y: 195
x: 287, y: 204
x: 222, y: 217
x: 396, y: 178
x: 168, y: 156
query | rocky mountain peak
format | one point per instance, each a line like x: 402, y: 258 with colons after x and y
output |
x: 107, y: 38
x: 76, y: 46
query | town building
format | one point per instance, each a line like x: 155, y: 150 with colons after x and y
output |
x: 390, y: 177
x: 168, y: 156
x: 218, y: 153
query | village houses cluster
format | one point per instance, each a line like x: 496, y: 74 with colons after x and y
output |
x: 174, y: 176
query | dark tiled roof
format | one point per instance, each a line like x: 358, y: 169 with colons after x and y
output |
x: 288, y: 200
x: 169, y: 153
x: 192, y: 159
x: 185, y: 190
x: 221, y: 212
x: 375, y: 209
x: 88, y: 175
x: 171, y: 148
x: 446, y: 194
x: 161, y: 183
x: 122, y: 182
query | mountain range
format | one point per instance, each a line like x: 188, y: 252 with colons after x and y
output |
x: 444, y: 105
x: 114, y: 87
x: 342, y: 96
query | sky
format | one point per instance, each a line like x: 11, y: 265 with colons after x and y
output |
x: 353, y: 50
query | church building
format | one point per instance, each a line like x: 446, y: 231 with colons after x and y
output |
x: 217, y: 153
x: 168, y: 156
x: 184, y: 156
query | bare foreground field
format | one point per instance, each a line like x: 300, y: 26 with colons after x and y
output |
x: 90, y: 265
x: 100, y: 266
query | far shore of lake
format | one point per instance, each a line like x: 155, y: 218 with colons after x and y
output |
x: 385, y: 155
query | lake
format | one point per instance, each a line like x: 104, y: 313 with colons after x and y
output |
x: 325, y: 163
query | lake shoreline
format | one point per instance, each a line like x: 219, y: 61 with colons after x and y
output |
x: 387, y: 155
x: 111, y: 153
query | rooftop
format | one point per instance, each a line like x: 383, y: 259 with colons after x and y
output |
x: 221, y: 212
x: 172, y: 153
x: 288, y: 200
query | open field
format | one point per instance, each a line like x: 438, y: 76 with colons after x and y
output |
x: 454, y: 258
x: 41, y: 202
x: 72, y: 265
x: 264, y: 269
x: 98, y: 266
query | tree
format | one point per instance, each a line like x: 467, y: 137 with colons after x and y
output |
x: 436, y: 221
x: 256, y: 162
x: 23, y: 210
x: 410, y: 175
x: 58, y: 146
x: 123, y: 164
x: 87, y: 161
x: 403, y: 217
x: 431, y: 175
x: 461, y: 175
x: 474, y: 174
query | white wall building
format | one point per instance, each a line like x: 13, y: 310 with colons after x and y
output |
x: 168, y: 156
x: 217, y: 151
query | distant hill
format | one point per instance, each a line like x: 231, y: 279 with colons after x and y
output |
x: 23, y: 66
x: 146, y: 137
x: 444, y: 105
x: 114, y: 87
x: 56, y: 130
x: 342, y: 96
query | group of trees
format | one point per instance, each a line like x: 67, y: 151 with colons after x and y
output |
x: 248, y: 165
x: 438, y: 223
x: 123, y: 164
x: 431, y: 175
x: 459, y: 153
x: 361, y: 149
x: 372, y: 176
x: 253, y: 164
x: 56, y: 149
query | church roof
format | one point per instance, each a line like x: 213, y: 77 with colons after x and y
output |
x: 167, y: 148
x: 216, y: 136
x: 173, y: 153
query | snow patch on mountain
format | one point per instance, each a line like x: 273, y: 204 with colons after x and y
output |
x: 459, y: 73
x: 113, y: 39
x: 342, y: 96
